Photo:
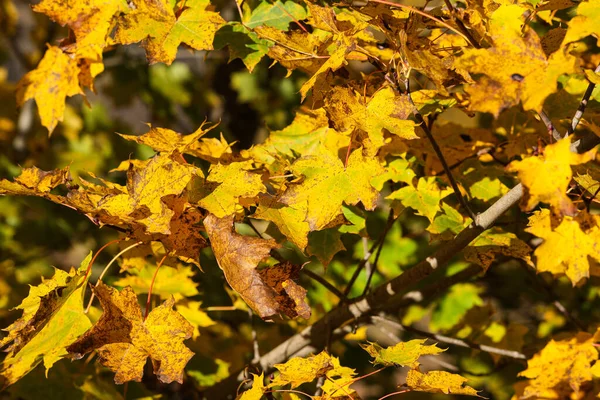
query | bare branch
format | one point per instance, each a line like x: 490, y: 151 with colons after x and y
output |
x: 450, y: 340
x: 582, y: 105
x: 324, y: 282
x: 549, y: 125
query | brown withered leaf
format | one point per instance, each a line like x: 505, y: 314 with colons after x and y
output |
x: 267, y: 292
x: 124, y: 340
x: 290, y: 296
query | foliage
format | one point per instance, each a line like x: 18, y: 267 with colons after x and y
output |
x: 390, y: 199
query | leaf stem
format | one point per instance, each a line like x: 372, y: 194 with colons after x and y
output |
x: 106, y: 269
x: 324, y: 283
x: 162, y: 260
x: 89, y: 268
x: 394, y: 393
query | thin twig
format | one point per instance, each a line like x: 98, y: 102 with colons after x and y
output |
x: 160, y: 263
x: 323, y: 282
x: 461, y: 25
x: 549, y: 125
x: 582, y: 105
x: 373, y: 268
x: 439, y: 153
x: 367, y: 256
x: 255, y: 348
x: 450, y: 340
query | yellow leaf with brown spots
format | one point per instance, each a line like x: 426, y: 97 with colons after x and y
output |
x: 438, y: 382
x: 297, y: 371
x: 54, y: 79
x: 546, y: 178
x: 560, y: 368
x: 385, y: 110
x: 515, y: 69
x: 90, y: 21
x: 568, y: 247
x: 124, y: 339
x: 162, y: 29
x: 269, y: 291
x: 148, y: 189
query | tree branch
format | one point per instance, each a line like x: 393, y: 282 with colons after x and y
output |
x: 450, y: 340
x: 582, y: 105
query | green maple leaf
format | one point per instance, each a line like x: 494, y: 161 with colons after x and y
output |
x: 425, y: 198
x: 53, y: 318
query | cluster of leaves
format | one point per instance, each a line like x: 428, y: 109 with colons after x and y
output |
x: 369, y: 177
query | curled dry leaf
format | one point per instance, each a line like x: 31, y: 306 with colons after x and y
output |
x: 269, y: 291
x: 124, y: 340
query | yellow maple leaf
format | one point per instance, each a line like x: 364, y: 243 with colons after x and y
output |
x: 585, y: 23
x: 124, y: 340
x: 546, y: 178
x: 268, y: 291
x: 90, y: 21
x: 297, y: 370
x: 404, y: 354
x: 236, y: 186
x: 146, y: 190
x: 567, y: 247
x: 561, y: 367
x: 515, y: 69
x: 289, y: 220
x: 257, y: 390
x: 193, y: 313
x: 385, y: 110
x: 438, y: 382
x: 162, y: 30
x: 55, y: 78
x: 327, y: 184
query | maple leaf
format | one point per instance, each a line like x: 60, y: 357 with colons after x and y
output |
x: 89, y: 20
x: 236, y: 185
x: 268, y: 291
x: 324, y: 173
x: 242, y: 43
x: 147, y: 188
x: 289, y: 221
x: 404, y: 354
x: 52, y: 319
x: 277, y: 15
x: 54, y: 79
x: 385, y: 110
x: 547, y: 177
x: 35, y: 181
x: 561, y: 367
x: 485, y: 249
x: 162, y: 30
x: 308, y: 131
x: 585, y: 23
x: 325, y: 244
x: 297, y: 370
x: 567, y: 247
x: 257, y: 390
x: 425, y: 198
x: 124, y: 340
x: 515, y: 69
x: 438, y: 382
